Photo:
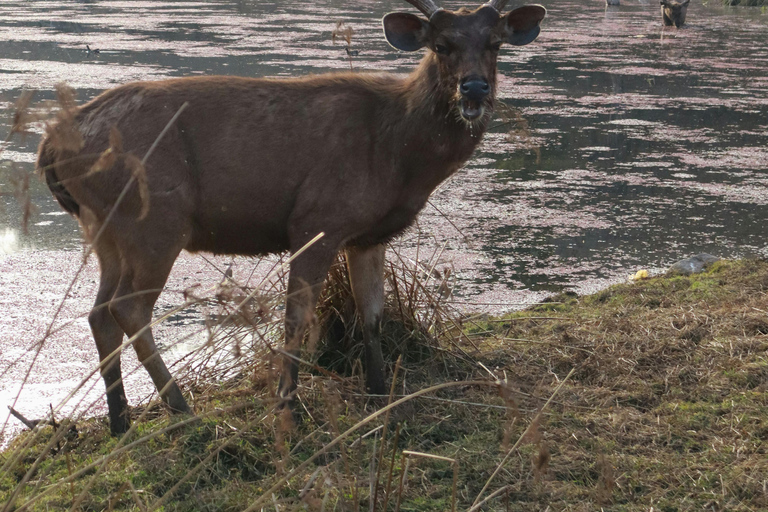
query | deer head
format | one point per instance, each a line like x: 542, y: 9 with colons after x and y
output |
x: 464, y: 46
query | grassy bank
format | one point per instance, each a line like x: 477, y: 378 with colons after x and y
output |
x: 652, y: 394
x: 746, y: 3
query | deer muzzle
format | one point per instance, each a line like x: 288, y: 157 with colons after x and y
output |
x: 473, y: 91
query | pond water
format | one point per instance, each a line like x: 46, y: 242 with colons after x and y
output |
x: 645, y: 144
x: 624, y: 144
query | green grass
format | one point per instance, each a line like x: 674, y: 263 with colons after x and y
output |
x: 746, y: 3
x: 667, y: 407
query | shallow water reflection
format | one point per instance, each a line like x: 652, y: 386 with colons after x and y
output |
x: 645, y: 144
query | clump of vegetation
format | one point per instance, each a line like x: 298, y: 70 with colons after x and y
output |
x: 23, y: 117
x: 653, y: 393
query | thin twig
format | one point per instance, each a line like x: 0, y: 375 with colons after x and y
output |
x: 30, y: 424
x: 384, y: 431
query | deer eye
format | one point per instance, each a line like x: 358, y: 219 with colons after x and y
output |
x: 441, y: 49
x: 496, y: 46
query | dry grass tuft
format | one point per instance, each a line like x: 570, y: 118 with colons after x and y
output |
x: 345, y: 33
x: 23, y: 116
x: 342, y: 31
x: 62, y: 130
x: 139, y: 173
x: 108, y: 158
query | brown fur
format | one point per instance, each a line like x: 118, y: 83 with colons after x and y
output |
x: 673, y: 12
x: 256, y: 166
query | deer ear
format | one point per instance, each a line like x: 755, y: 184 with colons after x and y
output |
x: 405, y: 31
x: 521, y: 26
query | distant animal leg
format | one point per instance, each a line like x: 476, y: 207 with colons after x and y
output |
x: 366, y: 275
x: 305, y: 282
x: 666, y: 19
x: 109, y: 336
x: 139, y: 288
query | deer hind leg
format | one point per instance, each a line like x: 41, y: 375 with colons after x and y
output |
x: 366, y: 275
x: 305, y: 282
x: 141, y: 281
x: 109, y: 336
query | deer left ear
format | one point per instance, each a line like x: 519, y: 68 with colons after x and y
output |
x: 521, y: 26
x: 405, y: 31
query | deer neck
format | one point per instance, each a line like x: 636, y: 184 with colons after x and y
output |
x: 433, y: 123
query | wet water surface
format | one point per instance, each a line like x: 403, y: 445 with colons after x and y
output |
x: 644, y: 144
x: 620, y: 144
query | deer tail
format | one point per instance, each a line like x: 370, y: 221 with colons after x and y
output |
x: 46, y: 166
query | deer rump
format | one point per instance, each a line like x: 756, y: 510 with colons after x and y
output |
x: 255, y: 166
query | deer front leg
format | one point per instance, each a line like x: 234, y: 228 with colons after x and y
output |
x: 366, y: 275
x: 305, y: 282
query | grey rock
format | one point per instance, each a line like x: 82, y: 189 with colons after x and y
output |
x: 692, y: 265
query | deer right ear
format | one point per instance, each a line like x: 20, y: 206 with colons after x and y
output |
x: 521, y: 26
x: 405, y: 31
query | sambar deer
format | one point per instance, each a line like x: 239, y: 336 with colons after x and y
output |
x: 258, y: 165
x: 673, y: 12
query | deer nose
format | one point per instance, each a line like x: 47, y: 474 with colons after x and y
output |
x: 474, y: 89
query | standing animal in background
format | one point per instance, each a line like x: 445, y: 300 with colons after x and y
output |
x: 673, y: 12
x: 256, y: 166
